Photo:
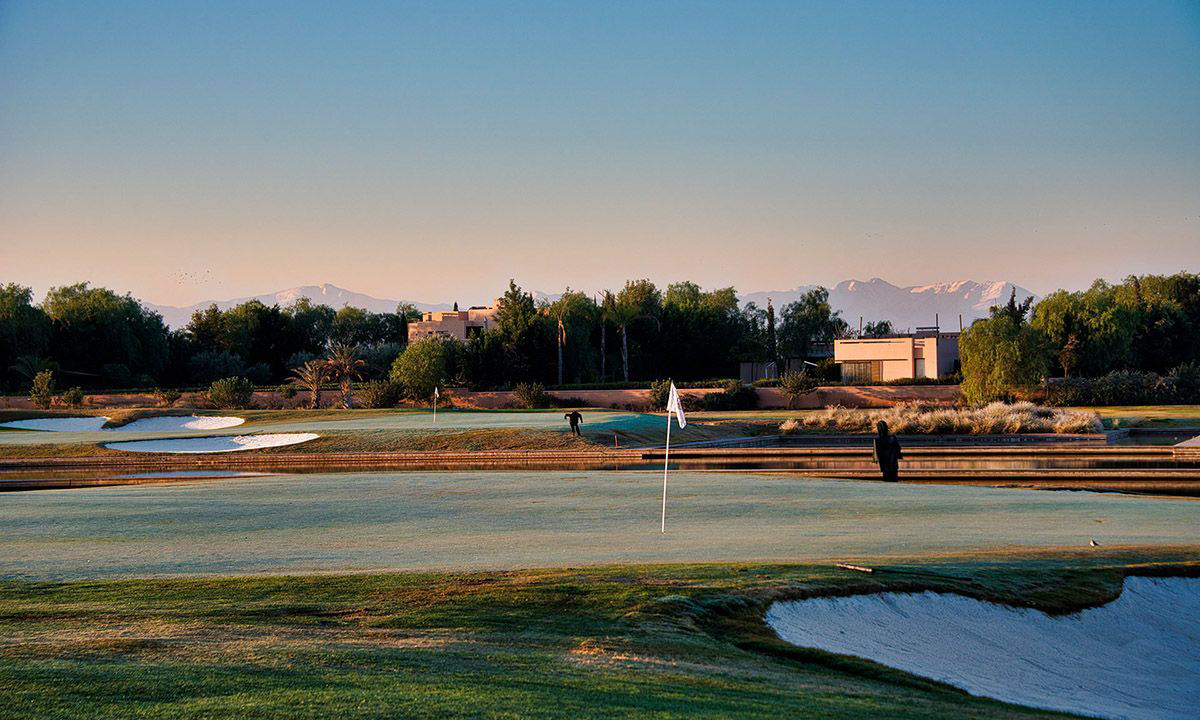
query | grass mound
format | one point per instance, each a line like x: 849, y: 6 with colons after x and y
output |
x: 918, y: 419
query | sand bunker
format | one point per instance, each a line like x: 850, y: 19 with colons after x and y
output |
x: 167, y: 423
x: 67, y: 424
x: 230, y: 443
x: 1137, y: 657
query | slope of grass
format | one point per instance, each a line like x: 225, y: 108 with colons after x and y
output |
x: 646, y: 641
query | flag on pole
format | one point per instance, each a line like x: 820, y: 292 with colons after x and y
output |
x: 436, y: 394
x: 675, y: 405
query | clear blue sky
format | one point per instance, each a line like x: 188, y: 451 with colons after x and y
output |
x: 431, y: 150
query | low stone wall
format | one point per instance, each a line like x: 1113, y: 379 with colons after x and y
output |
x: 769, y: 398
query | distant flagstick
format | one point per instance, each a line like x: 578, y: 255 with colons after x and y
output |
x: 436, y: 395
x: 673, y: 406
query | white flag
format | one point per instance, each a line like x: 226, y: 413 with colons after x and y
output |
x: 436, y: 394
x: 675, y: 405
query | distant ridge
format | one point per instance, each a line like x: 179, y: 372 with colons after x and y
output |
x: 874, y: 299
x: 324, y: 294
x: 906, y: 307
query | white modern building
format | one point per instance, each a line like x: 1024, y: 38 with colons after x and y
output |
x: 926, y: 353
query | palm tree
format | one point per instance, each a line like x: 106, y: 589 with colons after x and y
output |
x: 606, y: 316
x: 28, y: 366
x: 561, y: 310
x: 311, y: 376
x: 345, y: 366
x: 621, y: 315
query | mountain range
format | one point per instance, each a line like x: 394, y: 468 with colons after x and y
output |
x: 875, y: 299
x: 906, y: 307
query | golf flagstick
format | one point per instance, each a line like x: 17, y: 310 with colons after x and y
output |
x: 673, y: 405
x: 436, y: 394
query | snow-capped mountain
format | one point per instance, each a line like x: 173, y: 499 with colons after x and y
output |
x: 325, y: 294
x: 906, y: 307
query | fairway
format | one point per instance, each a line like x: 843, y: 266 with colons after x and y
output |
x: 505, y: 520
x: 359, y: 421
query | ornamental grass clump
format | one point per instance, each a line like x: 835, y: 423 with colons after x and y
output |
x: 916, y: 419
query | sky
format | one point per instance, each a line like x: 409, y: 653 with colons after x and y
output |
x: 186, y: 151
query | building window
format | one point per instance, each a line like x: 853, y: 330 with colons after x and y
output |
x: 866, y: 371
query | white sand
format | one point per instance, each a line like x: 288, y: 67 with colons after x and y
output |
x: 65, y: 424
x: 153, y: 424
x: 1137, y: 657
x: 230, y: 443
x: 181, y: 422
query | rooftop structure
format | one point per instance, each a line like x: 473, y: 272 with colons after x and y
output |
x: 455, y: 324
x: 926, y: 353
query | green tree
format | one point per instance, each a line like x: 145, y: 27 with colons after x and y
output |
x: 24, y: 329
x: 93, y: 327
x: 808, y: 321
x: 311, y: 376
x: 796, y: 385
x: 41, y: 393
x: 772, y: 344
x: 421, y: 368
x: 638, y: 300
x: 345, y: 366
x: 570, y: 309
x: 878, y: 329
x: 1000, y: 354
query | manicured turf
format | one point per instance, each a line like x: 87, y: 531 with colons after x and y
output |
x: 329, y: 522
x: 651, y: 641
x: 1149, y: 415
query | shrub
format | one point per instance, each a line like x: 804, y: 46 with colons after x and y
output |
x: 72, y: 397
x: 796, y: 385
x: 167, y: 396
x: 1126, y: 387
x: 287, y: 391
x: 41, y: 393
x: 379, y: 393
x: 531, y: 395
x: 234, y: 392
x: 914, y: 418
x: 735, y: 396
x: 660, y: 392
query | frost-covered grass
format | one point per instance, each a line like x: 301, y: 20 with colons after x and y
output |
x: 917, y: 419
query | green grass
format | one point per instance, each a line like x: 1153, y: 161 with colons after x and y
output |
x: 645, y: 641
x: 1165, y: 416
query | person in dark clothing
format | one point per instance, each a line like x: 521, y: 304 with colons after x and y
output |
x: 575, y: 419
x: 887, y: 453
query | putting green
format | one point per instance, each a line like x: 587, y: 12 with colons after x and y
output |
x: 472, y: 520
x: 402, y: 420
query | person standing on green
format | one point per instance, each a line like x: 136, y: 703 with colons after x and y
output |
x: 575, y: 418
x: 886, y: 453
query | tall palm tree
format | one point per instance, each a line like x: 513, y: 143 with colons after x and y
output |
x: 311, y: 376
x: 562, y: 310
x: 622, y: 314
x: 606, y: 316
x: 345, y: 366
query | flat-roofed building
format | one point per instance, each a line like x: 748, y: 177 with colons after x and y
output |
x: 456, y: 324
x: 926, y: 353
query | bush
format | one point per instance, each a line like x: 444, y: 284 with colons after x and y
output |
x: 796, y: 385
x: 915, y: 418
x: 378, y: 393
x: 735, y: 396
x: 531, y: 396
x: 41, y: 393
x: 167, y: 396
x: 287, y: 391
x: 234, y: 392
x: 72, y: 397
x: 1181, y: 386
x: 660, y: 392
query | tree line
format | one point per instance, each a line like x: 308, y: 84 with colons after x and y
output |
x: 98, y: 339
x: 1135, y: 341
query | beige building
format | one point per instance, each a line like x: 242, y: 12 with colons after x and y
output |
x: 928, y: 354
x: 456, y: 324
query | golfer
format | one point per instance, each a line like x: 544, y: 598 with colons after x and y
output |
x: 575, y: 419
x: 887, y: 453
